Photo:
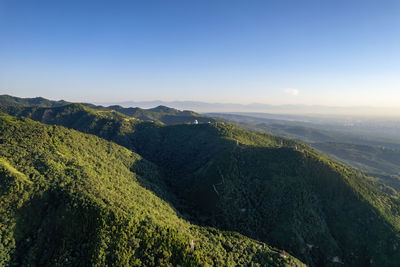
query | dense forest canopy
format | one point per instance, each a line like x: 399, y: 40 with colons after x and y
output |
x: 69, y: 198
x: 148, y: 193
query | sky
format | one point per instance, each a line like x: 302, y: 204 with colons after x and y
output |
x: 325, y: 52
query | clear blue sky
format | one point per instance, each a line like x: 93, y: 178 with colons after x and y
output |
x: 333, y: 52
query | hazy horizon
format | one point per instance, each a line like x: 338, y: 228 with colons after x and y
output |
x: 303, y: 109
x: 227, y: 107
x: 333, y: 53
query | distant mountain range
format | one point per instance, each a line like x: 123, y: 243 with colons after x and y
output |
x: 205, y: 107
x: 264, y: 108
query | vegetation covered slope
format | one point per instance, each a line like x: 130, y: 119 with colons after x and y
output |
x: 163, y: 114
x: 310, y: 132
x: 29, y: 102
x: 269, y: 188
x: 370, y: 159
x: 107, y: 124
x: 279, y: 191
x: 380, y: 162
x: 160, y: 114
x: 375, y: 156
x: 69, y: 199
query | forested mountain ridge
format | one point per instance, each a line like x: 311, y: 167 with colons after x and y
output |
x: 338, y: 145
x: 8, y: 100
x: 277, y: 190
x: 107, y: 124
x: 376, y: 156
x: 374, y: 160
x: 161, y: 114
x: 72, y: 199
x: 269, y: 188
x: 309, y: 132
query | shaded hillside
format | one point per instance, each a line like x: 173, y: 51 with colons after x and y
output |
x: 69, y: 199
x: 374, y: 156
x: 269, y: 188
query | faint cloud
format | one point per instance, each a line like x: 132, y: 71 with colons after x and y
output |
x: 292, y: 91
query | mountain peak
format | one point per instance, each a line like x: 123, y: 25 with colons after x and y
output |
x: 162, y: 108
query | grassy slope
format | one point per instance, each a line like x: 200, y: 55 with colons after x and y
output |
x: 68, y: 198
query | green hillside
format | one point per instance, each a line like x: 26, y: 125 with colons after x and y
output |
x: 69, y: 199
x: 380, y: 162
x: 278, y: 191
x: 367, y: 158
x: 160, y: 114
x: 28, y: 102
x: 271, y: 189
x: 289, y: 129
x: 375, y: 156
x: 107, y: 124
x: 309, y: 132
x: 163, y: 114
